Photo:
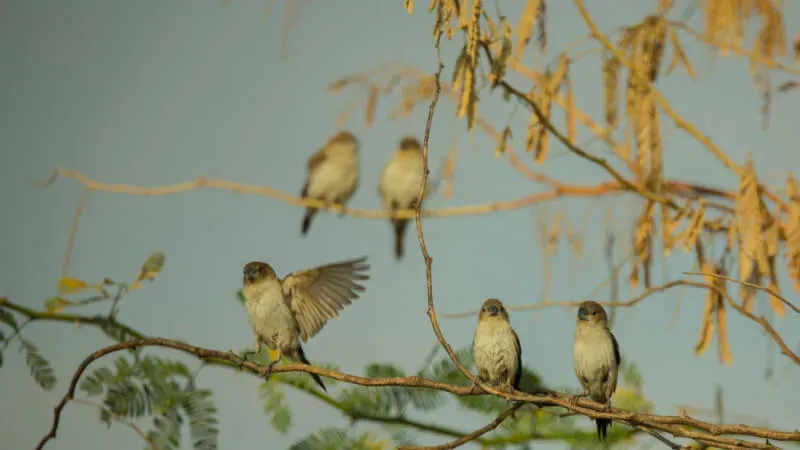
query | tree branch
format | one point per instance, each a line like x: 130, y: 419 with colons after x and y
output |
x: 471, y: 436
x: 679, y: 426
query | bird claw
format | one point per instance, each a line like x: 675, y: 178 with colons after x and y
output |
x: 475, y: 388
x: 267, y: 370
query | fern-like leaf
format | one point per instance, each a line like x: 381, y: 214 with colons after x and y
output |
x: 39, y: 368
x: 275, y: 406
x: 8, y: 319
x: 167, y: 432
x: 202, y: 424
x: 334, y: 439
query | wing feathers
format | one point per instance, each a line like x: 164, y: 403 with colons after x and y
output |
x: 317, y: 295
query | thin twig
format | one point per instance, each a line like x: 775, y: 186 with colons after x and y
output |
x: 73, y: 228
x: 118, y: 418
x: 420, y: 236
x: 658, y: 436
x: 471, y: 436
x: 754, y: 286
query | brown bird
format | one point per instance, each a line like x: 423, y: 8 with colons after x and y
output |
x: 284, y: 312
x: 596, y: 357
x: 495, y: 347
x: 399, y: 184
x: 332, y: 173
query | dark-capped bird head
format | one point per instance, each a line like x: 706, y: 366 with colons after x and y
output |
x: 592, y: 312
x: 342, y: 137
x: 492, y: 309
x: 256, y: 271
x: 410, y: 144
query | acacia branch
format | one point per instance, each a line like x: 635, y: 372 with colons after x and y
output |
x: 679, y: 426
x: 471, y: 436
x: 420, y: 196
x: 103, y: 321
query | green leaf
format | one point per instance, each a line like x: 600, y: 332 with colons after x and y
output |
x: 39, y: 368
x: 167, y: 433
x: 151, y: 267
x: 200, y: 410
x: 334, y: 439
x: 275, y: 406
x: 116, y: 332
x: 8, y: 318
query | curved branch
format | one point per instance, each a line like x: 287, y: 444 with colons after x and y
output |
x: 679, y: 426
x: 101, y: 321
x: 471, y: 436
x: 420, y: 236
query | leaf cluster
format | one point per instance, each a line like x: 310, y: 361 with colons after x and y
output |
x: 162, y: 388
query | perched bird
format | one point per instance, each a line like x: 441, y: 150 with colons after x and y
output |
x: 399, y: 184
x: 284, y: 312
x: 596, y: 357
x: 495, y: 347
x: 332, y: 173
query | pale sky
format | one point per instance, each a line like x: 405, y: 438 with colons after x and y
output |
x: 152, y: 93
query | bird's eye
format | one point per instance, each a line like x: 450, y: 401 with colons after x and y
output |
x: 593, y: 312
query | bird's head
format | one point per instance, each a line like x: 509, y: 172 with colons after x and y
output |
x: 492, y: 309
x: 256, y: 271
x: 341, y: 138
x: 410, y: 144
x: 591, y: 312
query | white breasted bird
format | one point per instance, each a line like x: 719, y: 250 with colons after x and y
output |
x: 399, y: 184
x: 495, y: 347
x: 283, y: 313
x: 596, y: 356
x: 332, y: 173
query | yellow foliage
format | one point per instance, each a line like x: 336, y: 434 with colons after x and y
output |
x: 69, y: 285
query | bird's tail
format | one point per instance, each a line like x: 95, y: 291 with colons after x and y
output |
x: 302, y: 357
x: 307, y: 219
x: 602, y: 426
x: 399, y: 233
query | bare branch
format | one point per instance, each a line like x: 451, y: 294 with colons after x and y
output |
x: 117, y: 418
x: 471, y: 436
x: 679, y: 426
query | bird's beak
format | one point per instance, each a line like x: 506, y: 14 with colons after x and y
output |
x: 583, y: 314
x: 493, y: 311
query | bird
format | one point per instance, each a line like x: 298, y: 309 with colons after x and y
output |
x: 495, y: 347
x: 332, y: 174
x: 399, y: 184
x: 596, y: 357
x: 282, y: 313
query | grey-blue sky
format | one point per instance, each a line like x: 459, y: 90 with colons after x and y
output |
x: 151, y: 93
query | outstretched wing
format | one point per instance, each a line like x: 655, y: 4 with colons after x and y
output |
x: 317, y: 295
